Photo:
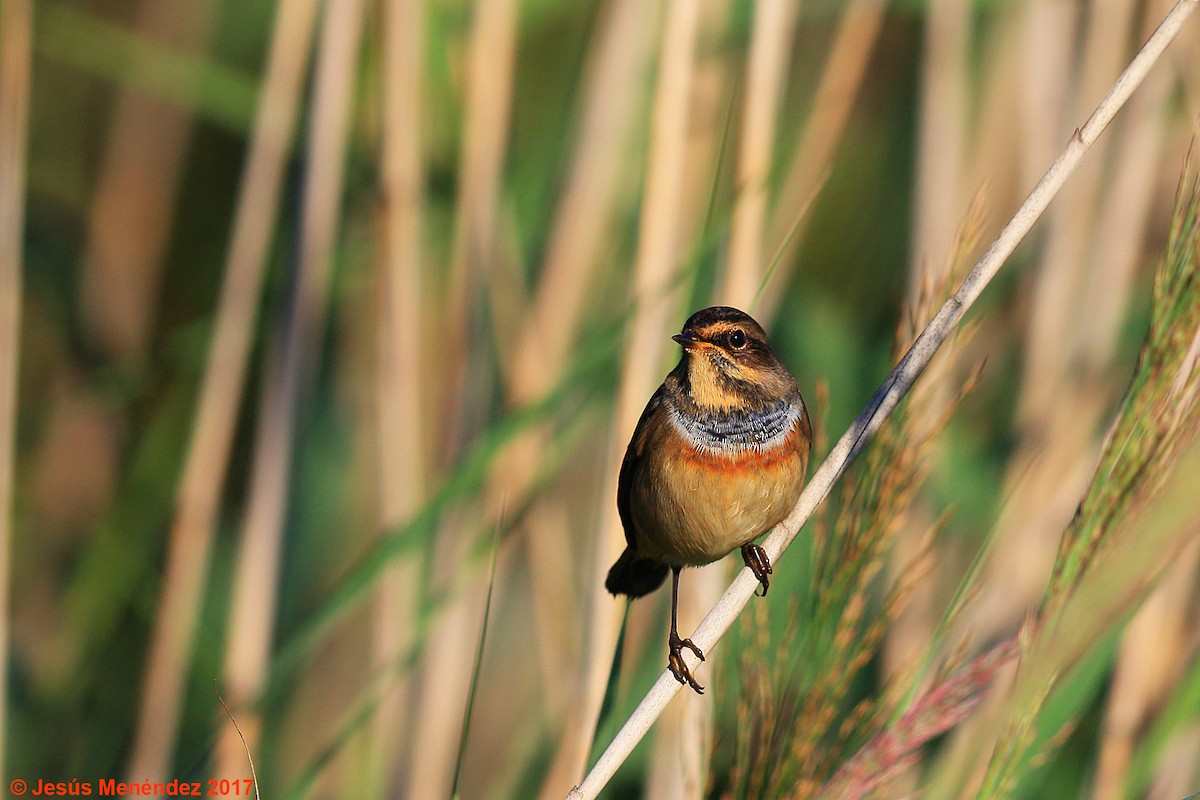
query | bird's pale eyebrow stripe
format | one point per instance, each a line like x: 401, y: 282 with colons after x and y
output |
x: 757, y: 430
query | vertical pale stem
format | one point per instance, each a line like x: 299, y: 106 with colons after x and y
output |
x: 490, y: 63
x: 1049, y: 51
x: 16, y: 38
x: 655, y: 266
x: 288, y: 372
x: 454, y: 634
x: 941, y: 137
x: 191, y: 533
x: 774, y: 25
x: 620, y: 58
x: 400, y: 446
x: 837, y: 90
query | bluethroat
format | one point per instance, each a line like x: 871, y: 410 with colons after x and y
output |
x: 717, y: 459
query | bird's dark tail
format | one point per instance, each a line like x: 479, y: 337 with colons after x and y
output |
x: 635, y: 576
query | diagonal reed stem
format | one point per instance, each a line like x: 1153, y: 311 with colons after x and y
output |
x: 897, y: 384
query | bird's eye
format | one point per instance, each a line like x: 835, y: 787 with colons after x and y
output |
x: 737, y: 339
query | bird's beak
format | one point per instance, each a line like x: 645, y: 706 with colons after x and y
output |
x: 688, y: 341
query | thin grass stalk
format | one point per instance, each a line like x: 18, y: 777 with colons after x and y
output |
x: 289, y: 373
x: 16, y: 45
x: 771, y: 36
x: 190, y: 541
x: 132, y: 210
x: 837, y: 90
x: 655, y: 268
x: 476, y: 668
x: 445, y: 667
x: 401, y: 452
x: 898, y: 383
x: 679, y: 759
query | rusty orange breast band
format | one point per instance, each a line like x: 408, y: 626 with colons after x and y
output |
x: 739, y: 458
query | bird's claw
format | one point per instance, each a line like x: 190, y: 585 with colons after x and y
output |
x: 680, y: 669
x: 756, y: 559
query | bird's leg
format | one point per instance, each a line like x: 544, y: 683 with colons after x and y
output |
x: 756, y: 559
x: 678, y: 668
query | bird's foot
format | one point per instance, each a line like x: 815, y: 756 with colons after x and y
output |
x: 678, y: 668
x: 756, y: 559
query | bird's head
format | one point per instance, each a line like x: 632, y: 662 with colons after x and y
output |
x: 728, y: 363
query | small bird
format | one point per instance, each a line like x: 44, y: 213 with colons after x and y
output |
x: 717, y: 459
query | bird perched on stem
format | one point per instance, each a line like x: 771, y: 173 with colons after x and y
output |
x: 717, y: 459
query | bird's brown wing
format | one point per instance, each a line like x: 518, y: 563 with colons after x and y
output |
x: 633, y: 454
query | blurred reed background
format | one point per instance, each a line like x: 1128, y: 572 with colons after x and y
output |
x: 325, y: 307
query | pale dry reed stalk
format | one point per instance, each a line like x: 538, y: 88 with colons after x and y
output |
x: 690, y: 728
x: 655, y: 267
x: 619, y: 54
x: 679, y: 762
x: 766, y: 65
x: 400, y: 443
x: 618, y: 58
x: 994, y: 148
x: 941, y: 137
x: 288, y: 374
x: 453, y: 635
x: 132, y: 210
x: 489, y: 71
x: 1049, y: 51
x: 898, y: 383
x: 16, y: 48
x: 809, y: 163
x: 192, y: 530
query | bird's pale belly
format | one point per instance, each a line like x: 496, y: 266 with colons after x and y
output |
x: 693, y: 507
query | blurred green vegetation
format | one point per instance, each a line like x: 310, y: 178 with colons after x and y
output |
x: 104, y: 430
